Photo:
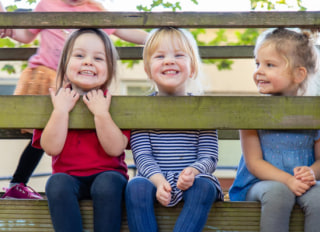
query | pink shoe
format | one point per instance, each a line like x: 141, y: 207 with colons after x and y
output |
x: 20, y: 191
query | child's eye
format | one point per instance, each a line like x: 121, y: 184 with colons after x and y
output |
x: 257, y: 64
x: 270, y: 65
x: 99, y: 58
x: 159, y: 56
x: 180, y: 55
x: 78, y: 55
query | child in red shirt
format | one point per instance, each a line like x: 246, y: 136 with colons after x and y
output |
x: 86, y: 163
x: 41, y: 74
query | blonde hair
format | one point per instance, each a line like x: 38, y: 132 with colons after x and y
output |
x: 186, y: 42
x: 110, y: 51
x: 297, y: 48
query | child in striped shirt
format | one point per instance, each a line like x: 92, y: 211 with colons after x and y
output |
x: 172, y: 164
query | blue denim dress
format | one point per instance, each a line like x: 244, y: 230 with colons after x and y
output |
x: 285, y: 149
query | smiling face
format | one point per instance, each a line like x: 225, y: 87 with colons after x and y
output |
x: 170, y: 67
x: 87, y: 66
x: 272, y: 75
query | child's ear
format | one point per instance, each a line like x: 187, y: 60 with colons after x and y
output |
x: 192, y: 74
x: 300, y: 74
x: 192, y: 71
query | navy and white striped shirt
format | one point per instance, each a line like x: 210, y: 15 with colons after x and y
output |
x: 168, y: 152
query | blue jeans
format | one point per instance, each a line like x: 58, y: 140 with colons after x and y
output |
x: 106, y: 191
x: 141, y: 195
x: 277, y: 201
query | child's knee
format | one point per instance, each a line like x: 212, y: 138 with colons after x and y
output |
x: 278, y: 195
x: 58, y: 184
x: 108, y: 184
x: 203, y: 191
x: 308, y: 201
x: 139, y: 190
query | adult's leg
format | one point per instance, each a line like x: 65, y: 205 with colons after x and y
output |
x: 198, y: 200
x: 63, y: 194
x: 42, y: 78
x: 309, y: 202
x: 107, y: 193
x: 140, y: 196
x: 28, y: 162
x: 277, y: 201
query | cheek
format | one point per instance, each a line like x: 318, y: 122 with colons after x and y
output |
x: 71, y: 66
x: 153, y: 69
x: 155, y: 64
x: 106, y: 69
x: 254, y: 77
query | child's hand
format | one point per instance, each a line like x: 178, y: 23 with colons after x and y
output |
x: 164, y: 193
x: 305, y: 174
x: 297, y: 186
x: 64, y: 100
x: 97, y: 103
x: 6, y: 33
x: 186, y: 179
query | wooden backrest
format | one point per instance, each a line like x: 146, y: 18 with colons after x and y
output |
x: 224, y: 113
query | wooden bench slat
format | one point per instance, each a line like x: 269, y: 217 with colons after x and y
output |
x: 202, y: 112
x: 16, y: 134
x: 33, y: 215
x: 302, y: 19
x: 135, y: 53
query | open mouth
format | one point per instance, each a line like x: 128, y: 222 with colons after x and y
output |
x: 170, y: 72
x: 263, y: 82
x: 87, y: 73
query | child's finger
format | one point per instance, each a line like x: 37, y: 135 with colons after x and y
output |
x: 67, y: 85
x: 52, y: 93
x: 167, y: 187
x: 187, y: 172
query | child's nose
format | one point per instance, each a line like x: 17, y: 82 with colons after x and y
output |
x: 87, y: 61
x: 169, y: 60
x: 259, y: 69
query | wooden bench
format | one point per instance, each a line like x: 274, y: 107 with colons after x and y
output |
x: 227, y: 114
x: 162, y: 112
x: 33, y: 215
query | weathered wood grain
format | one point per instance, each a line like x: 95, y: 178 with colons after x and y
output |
x: 301, y: 19
x: 192, y: 112
x: 33, y: 215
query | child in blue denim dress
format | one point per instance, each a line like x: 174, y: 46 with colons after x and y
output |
x: 280, y: 168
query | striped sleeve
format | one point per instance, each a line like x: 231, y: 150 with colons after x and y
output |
x: 142, y: 153
x: 207, y: 157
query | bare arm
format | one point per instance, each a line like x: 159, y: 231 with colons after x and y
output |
x: 20, y: 35
x: 132, y: 35
x: 55, y: 133
x: 262, y: 169
x: 110, y: 136
x: 316, y: 165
